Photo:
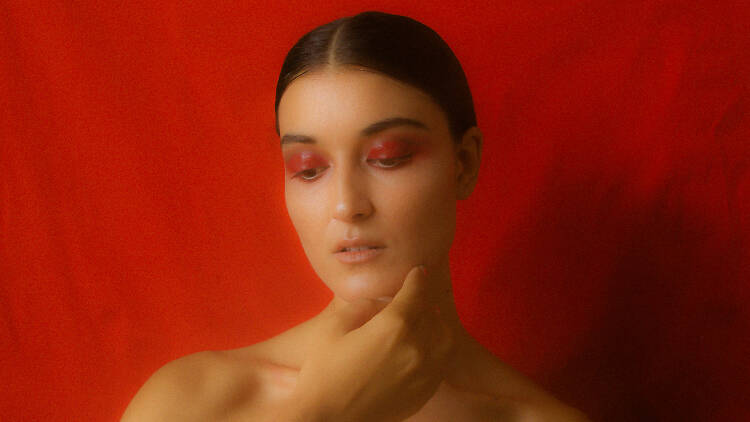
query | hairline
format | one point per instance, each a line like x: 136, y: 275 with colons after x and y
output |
x: 335, y: 66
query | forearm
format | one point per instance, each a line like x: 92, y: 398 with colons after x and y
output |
x: 291, y: 414
x: 307, y: 409
x: 301, y: 408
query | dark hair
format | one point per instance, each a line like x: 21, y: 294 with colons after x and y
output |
x: 397, y: 46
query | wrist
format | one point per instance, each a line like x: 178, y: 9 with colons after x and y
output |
x: 302, y: 408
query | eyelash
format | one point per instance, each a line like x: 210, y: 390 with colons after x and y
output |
x: 398, y: 160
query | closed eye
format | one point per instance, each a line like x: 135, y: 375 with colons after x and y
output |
x: 310, y: 175
x: 387, y: 163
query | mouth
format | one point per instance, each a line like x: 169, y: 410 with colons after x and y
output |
x: 356, y: 244
x: 358, y: 254
x: 358, y: 248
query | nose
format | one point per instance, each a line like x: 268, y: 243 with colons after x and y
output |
x: 351, y: 200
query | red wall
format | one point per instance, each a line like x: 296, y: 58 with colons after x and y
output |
x: 605, y: 251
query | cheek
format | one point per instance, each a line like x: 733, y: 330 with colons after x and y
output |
x: 435, y: 217
x: 304, y: 208
x: 422, y: 208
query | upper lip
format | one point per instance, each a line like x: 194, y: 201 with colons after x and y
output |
x: 351, y: 243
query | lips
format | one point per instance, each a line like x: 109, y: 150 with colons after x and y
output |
x: 357, y: 243
x: 358, y: 248
x: 359, y: 255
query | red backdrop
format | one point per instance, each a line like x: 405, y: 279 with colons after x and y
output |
x: 605, y: 251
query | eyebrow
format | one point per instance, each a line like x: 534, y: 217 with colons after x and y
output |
x: 368, y: 131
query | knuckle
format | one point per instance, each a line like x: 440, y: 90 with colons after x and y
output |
x: 389, y: 320
x: 392, y: 327
x: 399, y: 320
x: 414, y: 357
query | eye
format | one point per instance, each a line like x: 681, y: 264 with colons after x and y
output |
x: 310, y: 174
x: 387, y: 163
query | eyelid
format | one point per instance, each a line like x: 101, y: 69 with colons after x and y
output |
x: 298, y: 175
x: 399, y: 161
x: 389, y: 146
x: 298, y: 161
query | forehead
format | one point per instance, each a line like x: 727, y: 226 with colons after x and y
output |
x: 344, y: 100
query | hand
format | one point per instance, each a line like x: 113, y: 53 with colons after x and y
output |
x: 386, y: 369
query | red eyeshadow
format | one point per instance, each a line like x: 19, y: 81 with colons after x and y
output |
x: 391, y: 148
x: 304, y: 161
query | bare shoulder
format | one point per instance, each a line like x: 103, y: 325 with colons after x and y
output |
x: 530, y: 403
x: 517, y: 397
x: 537, y: 405
x: 209, y: 385
x: 547, y: 409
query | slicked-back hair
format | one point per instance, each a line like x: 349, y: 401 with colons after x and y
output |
x: 396, y: 46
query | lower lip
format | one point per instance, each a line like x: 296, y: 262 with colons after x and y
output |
x: 355, y: 257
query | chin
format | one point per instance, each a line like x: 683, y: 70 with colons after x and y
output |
x: 364, y: 286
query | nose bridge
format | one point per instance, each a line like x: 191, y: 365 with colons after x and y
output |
x: 351, y: 201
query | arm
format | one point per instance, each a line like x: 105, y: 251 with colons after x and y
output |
x: 297, y: 409
x: 305, y: 407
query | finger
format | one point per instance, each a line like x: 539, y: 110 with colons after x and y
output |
x: 348, y: 316
x: 411, y: 299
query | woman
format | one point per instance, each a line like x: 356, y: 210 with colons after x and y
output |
x: 379, y: 139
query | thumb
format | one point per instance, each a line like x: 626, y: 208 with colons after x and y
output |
x: 411, y: 298
x: 347, y: 316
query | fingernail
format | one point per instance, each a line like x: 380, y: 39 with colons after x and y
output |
x: 384, y: 298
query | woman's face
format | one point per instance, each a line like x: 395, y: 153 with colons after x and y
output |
x: 391, y: 185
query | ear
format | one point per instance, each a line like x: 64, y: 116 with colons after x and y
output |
x: 468, y: 155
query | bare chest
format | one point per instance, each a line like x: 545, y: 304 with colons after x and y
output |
x: 446, y: 405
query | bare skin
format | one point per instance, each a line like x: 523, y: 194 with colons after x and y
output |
x: 259, y: 383
x: 344, y: 185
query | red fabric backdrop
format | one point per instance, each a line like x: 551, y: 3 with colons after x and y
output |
x: 605, y: 251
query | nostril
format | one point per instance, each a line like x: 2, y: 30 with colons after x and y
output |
x: 352, y: 210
